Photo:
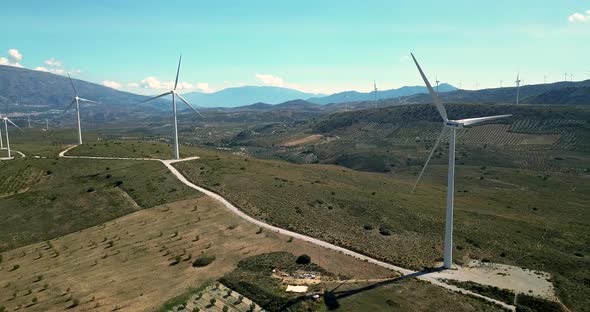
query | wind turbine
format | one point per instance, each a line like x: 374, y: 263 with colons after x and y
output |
x: 375, y: 90
x: 437, y: 81
x: 175, y: 94
x: 6, y: 121
x: 76, y: 100
x: 452, y: 126
x: 518, y: 81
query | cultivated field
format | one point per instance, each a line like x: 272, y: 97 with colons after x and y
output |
x: 45, y: 198
x: 138, y: 261
x: 502, y: 215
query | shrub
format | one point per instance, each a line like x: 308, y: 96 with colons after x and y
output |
x: 259, y: 230
x: 118, y: 183
x: 176, y: 260
x: 303, y: 259
x: 90, y: 190
x: 15, y: 267
x: 367, y: 227
x: 203, y: 261
x: 225, y: 309
x: 384, y: 231
x: 75, y: 303
x: 212, y: 301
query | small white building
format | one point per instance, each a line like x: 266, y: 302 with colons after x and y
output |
x: 296, y: 289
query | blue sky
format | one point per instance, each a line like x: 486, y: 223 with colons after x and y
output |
x: 315, y: 46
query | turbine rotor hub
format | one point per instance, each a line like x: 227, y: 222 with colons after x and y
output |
x: 453, y: 124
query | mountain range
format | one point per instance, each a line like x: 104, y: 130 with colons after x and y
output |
x: 238, y: 96
x: 42, y: 91
x: 354, y: 96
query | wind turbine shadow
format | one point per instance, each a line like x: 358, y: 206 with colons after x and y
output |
x: 331, y: 297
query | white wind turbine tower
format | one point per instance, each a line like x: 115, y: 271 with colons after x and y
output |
x: 437, y: 81
x: 76, y: 100
x: 175, y: 94
x: 6, y: 121
x: 452, y: 126
x: 518, y: 81
x: 375, y: 90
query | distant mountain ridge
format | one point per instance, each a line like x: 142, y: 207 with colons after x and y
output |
x: 239, y: 96
x: 354, y: 96
x: 44, y: 91
x: 563, y: 92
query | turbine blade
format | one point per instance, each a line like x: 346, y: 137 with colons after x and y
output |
x: 177, y: 72
x: 155, y: 97
x: 189, y: 105
x: 441, y: 109
x: 10, y: 121
x: 473, y: 121
x: 442, y: 133
x: 69, y: 106
x: 72, y: 83
x: 85, y: 100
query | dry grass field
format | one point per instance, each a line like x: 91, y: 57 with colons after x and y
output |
x: 130, y: 263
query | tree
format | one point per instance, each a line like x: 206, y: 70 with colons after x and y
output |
x: 303, y: 259
x: 212, y: 301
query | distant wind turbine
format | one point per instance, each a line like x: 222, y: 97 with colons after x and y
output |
x: 501, y: 81
x: 452, y: 126
x: 76, y: 100
x: 175, y: 94
x: 437, y: 81
x: 6, y: 121
x: 375, y: 90
x: 565, y: 76
x: 345, y: 101
x: 518, y: 81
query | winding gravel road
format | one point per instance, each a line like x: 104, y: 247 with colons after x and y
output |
x: 406, y: 273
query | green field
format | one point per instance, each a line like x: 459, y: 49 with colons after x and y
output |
x: 520, y: 217
x: 131, y: 149
x: 46, y: 198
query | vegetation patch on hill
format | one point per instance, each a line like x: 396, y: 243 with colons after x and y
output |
x: 504, y: 215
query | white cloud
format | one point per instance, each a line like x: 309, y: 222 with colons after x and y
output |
x: 41, y: 68
x: 579, y: 17
x: 53, y: 62
x: 111, y: 84
x: 276, y: 81
x: 15, y: 55
x: 184, y: 85
x: 154, y: 83
x: 13, y: 59
x: 203, y: 86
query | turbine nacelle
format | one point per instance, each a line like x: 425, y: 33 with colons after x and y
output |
x: 453, y: 124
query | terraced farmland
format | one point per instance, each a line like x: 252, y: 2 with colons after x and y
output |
x: 20, y: 180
